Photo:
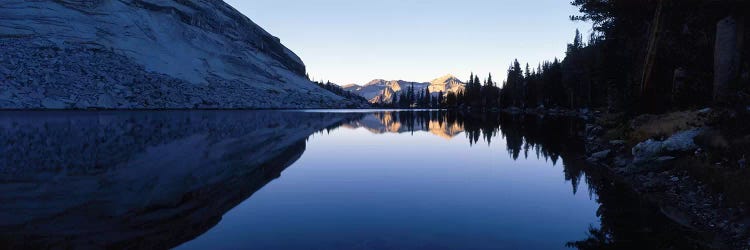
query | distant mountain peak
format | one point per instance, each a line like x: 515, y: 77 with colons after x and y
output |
x: 445, y: 79
x: 380, y: 90
x: 375, y: 82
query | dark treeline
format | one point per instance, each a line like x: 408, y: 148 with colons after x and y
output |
x: 475, y: 94
x: 657, y: 55
x: 641, y: 56
x: 338, y: 90
x: 412, y: 98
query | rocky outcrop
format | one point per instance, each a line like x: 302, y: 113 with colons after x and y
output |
x: 146, y: 54
x: 678, y: 143
x: 672, y: 173
x: 143, y: 180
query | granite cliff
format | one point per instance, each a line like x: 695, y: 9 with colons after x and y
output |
x: 146, y: 54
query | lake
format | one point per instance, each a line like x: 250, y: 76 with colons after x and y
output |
x: 311, y: 179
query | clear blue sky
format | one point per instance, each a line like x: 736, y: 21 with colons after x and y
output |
x: 353, y: 41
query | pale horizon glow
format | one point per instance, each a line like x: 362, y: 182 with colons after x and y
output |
x: 348, y: 41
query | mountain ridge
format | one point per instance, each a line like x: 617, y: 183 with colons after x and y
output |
x: 380, y: 91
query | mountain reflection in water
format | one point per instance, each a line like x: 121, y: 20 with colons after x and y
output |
x: 156, y: 180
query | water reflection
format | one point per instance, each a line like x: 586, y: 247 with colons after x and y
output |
x: 158, y: 179
x: 547, y: 138
x: 626, y: 220
x: 150, y: 180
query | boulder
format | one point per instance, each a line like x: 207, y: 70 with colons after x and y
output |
x: 647, y: 150
x: 678, y: 143
x: 683, y: 141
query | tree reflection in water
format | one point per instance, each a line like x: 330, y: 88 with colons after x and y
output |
x: 158, y: 179
x: 627, y: 221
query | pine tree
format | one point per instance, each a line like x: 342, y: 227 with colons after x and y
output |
x: 460, y: 98
x: 440, y: 99
x: 419, y: 100
x: 468, y: 91
x: 489, y: 93
x: 451, y: 100
x: 427, y: 97
x: 476, y: 92
x: 403, y: 99
x: 528, y: 71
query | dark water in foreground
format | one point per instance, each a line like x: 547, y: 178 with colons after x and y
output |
x: 310, y: 180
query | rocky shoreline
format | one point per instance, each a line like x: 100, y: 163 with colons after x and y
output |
x: 654, y: 169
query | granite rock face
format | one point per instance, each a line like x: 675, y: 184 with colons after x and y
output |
x: 146, y: 54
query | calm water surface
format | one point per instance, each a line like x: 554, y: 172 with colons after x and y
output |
x: 309, y: 180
